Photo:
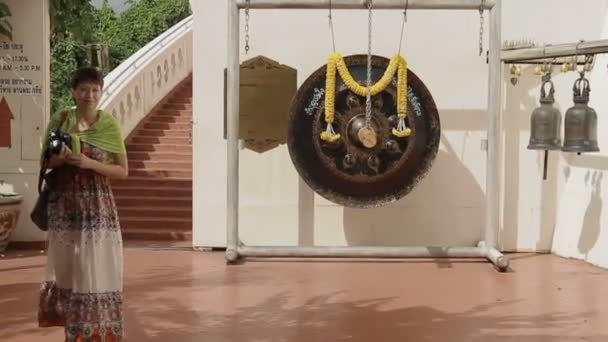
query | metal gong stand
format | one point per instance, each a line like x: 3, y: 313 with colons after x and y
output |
x: 486, y: 248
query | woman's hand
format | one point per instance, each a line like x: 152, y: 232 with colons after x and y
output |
x: 57, y: 160
x: 80, y: 160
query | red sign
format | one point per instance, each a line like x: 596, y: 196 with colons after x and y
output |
x: 5, y: 123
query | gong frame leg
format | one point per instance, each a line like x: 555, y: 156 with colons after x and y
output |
x: 493, y: 255
x: 232, y: 131
x: 485, y: 249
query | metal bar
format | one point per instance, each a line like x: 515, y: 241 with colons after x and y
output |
x: 363, y: 251
x: 232, y: 214
x: 362, y: 4
x: 497, y: 258
x: 552, y: 51
x: 494, y: 128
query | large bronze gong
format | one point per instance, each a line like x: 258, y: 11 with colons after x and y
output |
x: 357, y: 173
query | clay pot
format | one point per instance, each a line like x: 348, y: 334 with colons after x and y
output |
x: 10, y: 207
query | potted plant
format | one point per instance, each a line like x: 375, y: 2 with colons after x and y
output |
x: 10, y: 207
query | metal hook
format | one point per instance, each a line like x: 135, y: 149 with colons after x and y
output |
x: 589, y: 62
x: 545, y: 68
x: 576, y: 59
x: 407, y: 4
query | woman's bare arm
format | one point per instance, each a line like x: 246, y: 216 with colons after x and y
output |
x: 120, y: 168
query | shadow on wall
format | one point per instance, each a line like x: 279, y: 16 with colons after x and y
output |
x: 447, y: 207
x: 591, y: 223
x: 516, y: 118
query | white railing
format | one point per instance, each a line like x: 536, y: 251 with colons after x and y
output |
x: 133, y: 88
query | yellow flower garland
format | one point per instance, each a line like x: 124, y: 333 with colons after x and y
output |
x: 336, y: 62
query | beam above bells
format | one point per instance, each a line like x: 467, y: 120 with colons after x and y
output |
x: 535, y: 54
x: 362, y: 4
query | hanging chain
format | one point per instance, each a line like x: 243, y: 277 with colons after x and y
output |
x: 331, y: 28
x: 403, y: 24
x: 481, y: 23
x: 368, y: 100
x: 247, y: 27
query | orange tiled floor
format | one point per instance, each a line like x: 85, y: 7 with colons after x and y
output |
x: 182, y: 296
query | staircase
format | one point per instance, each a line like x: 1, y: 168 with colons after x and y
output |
x: 155, y: 201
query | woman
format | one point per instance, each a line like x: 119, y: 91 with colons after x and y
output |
x: 84, y: 273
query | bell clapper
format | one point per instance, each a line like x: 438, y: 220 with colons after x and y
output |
x: 545, y: 165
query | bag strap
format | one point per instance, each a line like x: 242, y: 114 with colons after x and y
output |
x: 45, y: 160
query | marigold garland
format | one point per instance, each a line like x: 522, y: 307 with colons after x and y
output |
x: 336, y: 62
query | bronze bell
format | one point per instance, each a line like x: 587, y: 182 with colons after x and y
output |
x: 545, y: 123
x: 581, y: 121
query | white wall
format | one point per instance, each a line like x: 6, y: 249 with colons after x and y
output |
x: 19, y: 164
x: 441, y: 48
x: 531, y: 205
x: 581, y: 229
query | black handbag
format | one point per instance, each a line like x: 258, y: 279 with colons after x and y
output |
x: 40, y: 213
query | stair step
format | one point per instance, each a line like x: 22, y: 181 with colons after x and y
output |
x: 166, y: 125
x: 160, y: 156
x: 162, y: 192
x: 156, y: 202
x: 143, y: 147
x: 156, y: 235
x: 155, y: 212
x: 180, y: 99
x: 169, y: 118
x: 161, y: 164
x: 180, y: 94
x: 154, y: 173
x: 136, y: 182
x: 173, y: 113
x: 162, y: 133
x: 173, y: 223
x: 160, y: 140
x: 177, y: 106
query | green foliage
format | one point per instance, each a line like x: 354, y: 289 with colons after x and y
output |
x: 72, y: 18
x: 6, y: 29
x: 65, y: 55
x: 142, y: 22
x: 124, y: 34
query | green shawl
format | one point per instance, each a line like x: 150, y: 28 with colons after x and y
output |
x: 104, y: 134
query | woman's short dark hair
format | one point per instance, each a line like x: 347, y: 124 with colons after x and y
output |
x: 87, y: 74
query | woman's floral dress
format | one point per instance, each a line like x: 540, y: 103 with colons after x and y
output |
x: 84, y: 275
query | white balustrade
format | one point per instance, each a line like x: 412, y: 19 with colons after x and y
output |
x: 139, y: 83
